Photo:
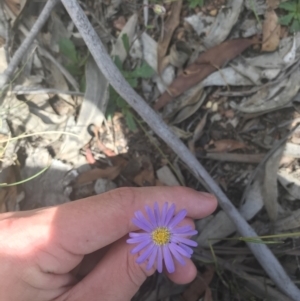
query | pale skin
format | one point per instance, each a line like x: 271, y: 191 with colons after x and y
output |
x: 78, y: 251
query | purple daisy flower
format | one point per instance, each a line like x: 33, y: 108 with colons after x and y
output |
x: 163, y: 240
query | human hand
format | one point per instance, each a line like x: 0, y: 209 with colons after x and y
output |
x: 78, y: 250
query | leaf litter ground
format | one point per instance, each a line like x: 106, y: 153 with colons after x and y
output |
x: 204, y: 61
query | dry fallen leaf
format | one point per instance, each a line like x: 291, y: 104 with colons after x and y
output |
x: 16, y: 6
x: 226, y: 145
x: 207, y: 63
x: 271, y: 31
x: 145, y: 178
x: 168, y: 29
x: 92, y: 175
x: 197, y: 133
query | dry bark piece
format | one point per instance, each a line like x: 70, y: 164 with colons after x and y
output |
x: 168, y: 29
x: 166, y: 177
x: 271, y: 31
x: 207, y: 63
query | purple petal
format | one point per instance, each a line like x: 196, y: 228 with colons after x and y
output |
x: 164, y: 213
x: 169, y: 214
x: 152, y: 258
x: 151, y: 216
x: 137, y: 234
x: 157, y: 215
x: 190, y: 233
x: 146, y: 254
x: 176, y: 254
x: 139, y: 215
x: 141, y: 246
x: 177, y: 218
x: 183, y: 240
x: 141, y: 225
x: 138, y: 239
x: 181, y: 250
x: 169, y: 262
x: 159, y: 260
x: 182, y: 229
x: 186, y: 249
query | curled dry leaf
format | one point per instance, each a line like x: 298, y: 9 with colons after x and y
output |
x: 92, y: 175
x: 271, y: 31
x: 89, y: 156
x: 226, y: 145
x: 167, y: 31
x: 179, y: 54
x: 145, y: 178
x: 207, y: 63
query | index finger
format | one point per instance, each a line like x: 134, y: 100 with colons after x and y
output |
x: 86, y: 225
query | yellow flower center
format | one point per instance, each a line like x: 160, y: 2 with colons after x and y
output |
x: 161, y: 236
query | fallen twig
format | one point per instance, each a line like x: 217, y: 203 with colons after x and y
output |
x: 6, y: 76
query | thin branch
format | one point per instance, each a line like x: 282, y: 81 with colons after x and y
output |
x: 263, y: 254
x: 19, y: 54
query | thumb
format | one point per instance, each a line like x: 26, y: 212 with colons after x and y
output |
x: 116, y: 277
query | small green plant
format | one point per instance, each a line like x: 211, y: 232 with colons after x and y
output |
x: 115, y: 100
x: 75, y: 61
x: 292, y: 18
x: 195, y: 3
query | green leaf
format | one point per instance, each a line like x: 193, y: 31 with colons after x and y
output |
x: 125, y: 41
x: 286, y: 20
x: 289, y: 6
x: 144, y: 71
x: 67, y: 48
x: 74, y: 69
x: 121, y: 103
x: 132, y: 82
x: 82, y: 84
x: 118, y: 63
x: 295, y: 26
x: 195, y: 3
x: 130, y: 120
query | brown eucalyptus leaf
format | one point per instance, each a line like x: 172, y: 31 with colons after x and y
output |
x: 207, y: 63
x: 92, y: 175
x: 168, y: 29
